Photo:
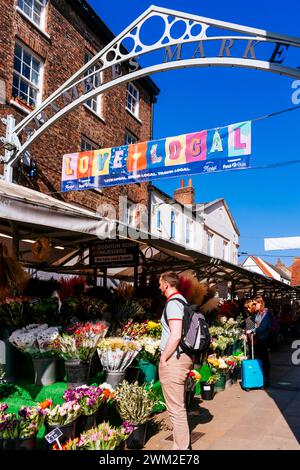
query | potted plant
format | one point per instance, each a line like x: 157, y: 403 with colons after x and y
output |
x: 116, y: 354
x: 207, y: 387
x: 135, y: 405
x: 18, y: 431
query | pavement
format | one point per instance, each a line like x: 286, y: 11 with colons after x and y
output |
x: 237, y: 420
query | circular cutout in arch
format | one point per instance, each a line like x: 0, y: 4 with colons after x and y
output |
x: 196, y: 30
x: 178, y: 29
x: 128, y: 43
x: 110, y: 56
x: 152, y: 30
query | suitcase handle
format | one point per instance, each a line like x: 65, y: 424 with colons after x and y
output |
x: 252, y: 348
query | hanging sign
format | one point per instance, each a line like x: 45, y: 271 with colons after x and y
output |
x: 114, y: 253
x: 227, y: 148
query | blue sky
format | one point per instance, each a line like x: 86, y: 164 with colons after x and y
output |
x: 264, y: 203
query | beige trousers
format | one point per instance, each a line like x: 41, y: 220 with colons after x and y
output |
x: 172, y: 378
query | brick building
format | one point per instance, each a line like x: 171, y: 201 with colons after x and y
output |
x: 42, y: 44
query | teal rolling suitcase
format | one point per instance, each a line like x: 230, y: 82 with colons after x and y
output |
x: 252, y: 373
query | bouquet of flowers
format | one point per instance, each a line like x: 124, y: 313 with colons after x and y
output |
x: 89, y: 398
x: 116, y: 354
x: 35, y: 340
x: 63, y: 414
x: 218, y: 365
x: 24, y: 424
x: 103, y: 437
x: 134, y: 403
x: 136, y: 330
x: 108, y: 393
x: 80, y: 341
x: 195, y: 375
x: 92, y: 308
x: 150, y: 349
x: 14, y: 311
x: 226, y: 332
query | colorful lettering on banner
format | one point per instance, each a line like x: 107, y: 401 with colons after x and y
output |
x: 69, y: 170
x: 101, y: 160
x: 117, y: 164
x: 84, y: 165
x: 137, y: 157
x: 156, y: 152
x: 175, y: 150
x: 207, y: 151
x: 196, y: 147
x: 239, y: 139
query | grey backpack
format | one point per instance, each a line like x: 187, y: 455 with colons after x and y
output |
x: 195, y: 329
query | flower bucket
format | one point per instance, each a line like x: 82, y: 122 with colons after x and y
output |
x: 77, y: 372
x: 148, y: 372
x: 68, y: 430
x: 207, y: 391
x: 137, y: 438
x: 228, y: 380
x: 86, y: 422
x: 19, y: 443
x: 236, y: 375
x: 114, y: 377
x: 45, y: 370
x: 220, y: 383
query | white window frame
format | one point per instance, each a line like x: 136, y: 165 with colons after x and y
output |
x: 225, y: 250
x: 21, y: 7
x: 128, y: 137
x: 173, y: 225
x: 95, y: 105
x: 210, y: 243
x: 88, y: 142
x: 132, y: 101
x: 188, y: 231
x: 38, y: 87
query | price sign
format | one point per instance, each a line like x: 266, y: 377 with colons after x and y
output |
x: 53, y: 435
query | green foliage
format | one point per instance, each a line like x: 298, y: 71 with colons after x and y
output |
x: 134, y: 403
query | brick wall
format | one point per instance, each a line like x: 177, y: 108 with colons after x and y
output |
x: 63, y: 55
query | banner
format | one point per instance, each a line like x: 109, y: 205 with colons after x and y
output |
x: 227, y: 148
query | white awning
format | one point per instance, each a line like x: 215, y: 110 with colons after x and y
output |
x: 19, y: 204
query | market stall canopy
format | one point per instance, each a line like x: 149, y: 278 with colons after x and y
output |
x: 29, y: 215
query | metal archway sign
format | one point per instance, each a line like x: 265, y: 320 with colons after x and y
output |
x: 183, y: 40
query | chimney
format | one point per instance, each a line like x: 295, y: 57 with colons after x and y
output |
x: 295, y: 269
x: 185, y: 194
